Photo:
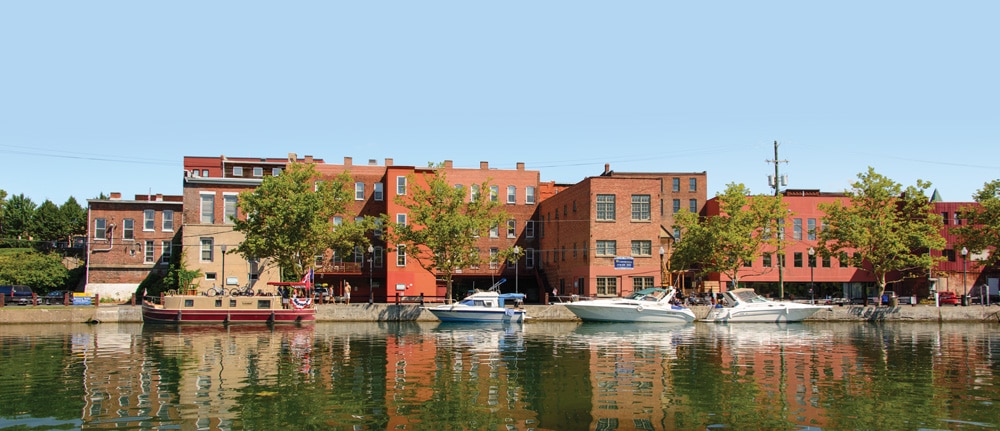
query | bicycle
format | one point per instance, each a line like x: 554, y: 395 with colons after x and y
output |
x: 215, y: 291
x: 242, y: 291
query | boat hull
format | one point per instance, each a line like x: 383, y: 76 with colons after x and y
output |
x: 775, y: 314
x: 466, y: 314
x: 241, y: 309
x: 592, y: 312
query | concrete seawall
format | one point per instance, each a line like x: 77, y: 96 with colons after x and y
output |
x: 552, y: 313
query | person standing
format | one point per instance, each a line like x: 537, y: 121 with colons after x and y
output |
x: 347, y: 292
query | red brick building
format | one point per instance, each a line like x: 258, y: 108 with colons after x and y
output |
x: 128, y: 240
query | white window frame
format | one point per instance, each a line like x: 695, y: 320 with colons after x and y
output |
x: 529, y: 228
x: 149, y: 252
x: 529, y: 195
x: 401, y: 255
x: 128, y: 229
x: 100, y: 228
x: 258, y: 171
x: 401, y: 219
x: 511, y: 228
x: 275, y: 172
x: 603, y: 245
x: 166, y: 250
x: 379, y: 192
x: 230, y: 212
x: 168, y: 220
x: 207, y: 213
x: 511, y: 195
x: 237, y: 171
x: 494, y: 258
x: 207, y: 245
x: 494, y: 193
x: 495, y: 231
x: 359, y: 191
x: 401, y: 185
x: 529, y: 258
x: 473, y: 192
x: 148, y: 220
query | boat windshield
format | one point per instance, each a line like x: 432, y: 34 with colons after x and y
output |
x: 648, y: 294
x: 748, y: 296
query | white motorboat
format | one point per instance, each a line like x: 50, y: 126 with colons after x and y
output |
x: 654, y: 304
x: 482, y: 306
x: 744, y: 305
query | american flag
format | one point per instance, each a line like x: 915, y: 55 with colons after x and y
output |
x: 307, y: 279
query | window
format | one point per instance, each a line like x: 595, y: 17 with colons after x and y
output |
x: 948, y: 254
x: 693, y: 205
x: 401, y: 219
x: 511, y: 228
x: 494, y: 257
x: 494, y: 193
x: 166, y: 250
x: 511, y: 194
x: 640, y: 207
x: 128, y: 228
x: 529, y: 258
x: 258, y: 171
x: 206, y: 249
x: 377, y: 232
x: 826, y: 261
x: 237, y: 171
x: 275, y: 172
x: 767, y: 260
x: 529, y: 195
x: 607, y: 286
x: 208, y: 208
x: 359, y: 191
x: 797, y: 229
x: 605, y: 207
x: 379, y: 191
x: 677, y: 234
x: 676, y: 185
x: 605, y: 248
x: 529, y: 229
x: 642, y: 248
x: 812, y: 261
x: 149, y: 220
x: 692, y: 184
x: 401, y: 255
x: 378, y: 257
x: 958, y: 218
x: 494, y: 231
x: 639, y: 283
x: 229, y: 208
x: 798, y: 259
x: 842, y: 257
x: 811, y: 229
x: 149, y: 252
x: 400, y: 186
x: 677, y: 206
x: 944, y: 217
x: 168, y: 220
x: 337, y: 221
x: 474, y: 192
x: 204, y: 173
x: 101, y: 228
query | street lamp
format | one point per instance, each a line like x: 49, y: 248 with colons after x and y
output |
x: 223, y: 246
x: 371, y: 269
x: 663, y: 273
x: 812, y: 279
x: 517, y: 255
x: 965, y: 287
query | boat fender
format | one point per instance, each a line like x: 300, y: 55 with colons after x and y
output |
x: 639, y: 309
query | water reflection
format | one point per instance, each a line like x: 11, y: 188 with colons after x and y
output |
x: 538, y: 375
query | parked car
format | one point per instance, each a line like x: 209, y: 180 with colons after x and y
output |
x: 16, y: 294
x: 946, y: 298
x: 56, y: 297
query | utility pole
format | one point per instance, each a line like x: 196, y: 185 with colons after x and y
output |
x: 777, y: 182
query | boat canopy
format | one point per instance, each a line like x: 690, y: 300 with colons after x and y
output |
x: 512, y: 296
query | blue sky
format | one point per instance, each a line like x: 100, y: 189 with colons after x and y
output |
x: 109, y: 96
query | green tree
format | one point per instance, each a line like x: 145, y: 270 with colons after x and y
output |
x: 44, y: 272
x: 443, y: 224
x: 19, y: 211
x: 737, y: 235
x: 884, y: 230
x: 48, y: 223
x: 178, y: 277
x: 3, y: 204
x: 75, y: 219
x: 982, y: 231
x: 289, y: 217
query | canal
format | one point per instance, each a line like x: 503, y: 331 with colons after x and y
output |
x: 540, y: 375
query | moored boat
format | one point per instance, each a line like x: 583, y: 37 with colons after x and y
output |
x: 745, y: 305
x: 228, y: 310
x: 482, y: 306
x: 654, y: 304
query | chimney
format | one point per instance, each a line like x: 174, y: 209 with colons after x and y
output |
x: 520, y: 166
x: 309, y: 159
x: 292, y: 157
x: 388, y: 162
x: 348, y: 161
x: 484, y: 165
x: 159, y: 197
x: 607, y: 168
x: 448, y: 164
x: 116, y: 196
x: 372, y: 162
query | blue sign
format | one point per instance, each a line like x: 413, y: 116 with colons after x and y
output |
x: 624, y: 263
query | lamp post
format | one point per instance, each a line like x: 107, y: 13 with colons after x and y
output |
x: 663, y: 272
x: 812, y: 279
x: 223, y: 247
x: 965, y: 287
x: 371, y: 270
x: 517, y: 257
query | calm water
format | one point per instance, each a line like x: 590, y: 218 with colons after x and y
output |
x: 544, y: 376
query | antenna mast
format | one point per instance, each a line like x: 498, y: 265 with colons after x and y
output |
x: 776, y: 182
